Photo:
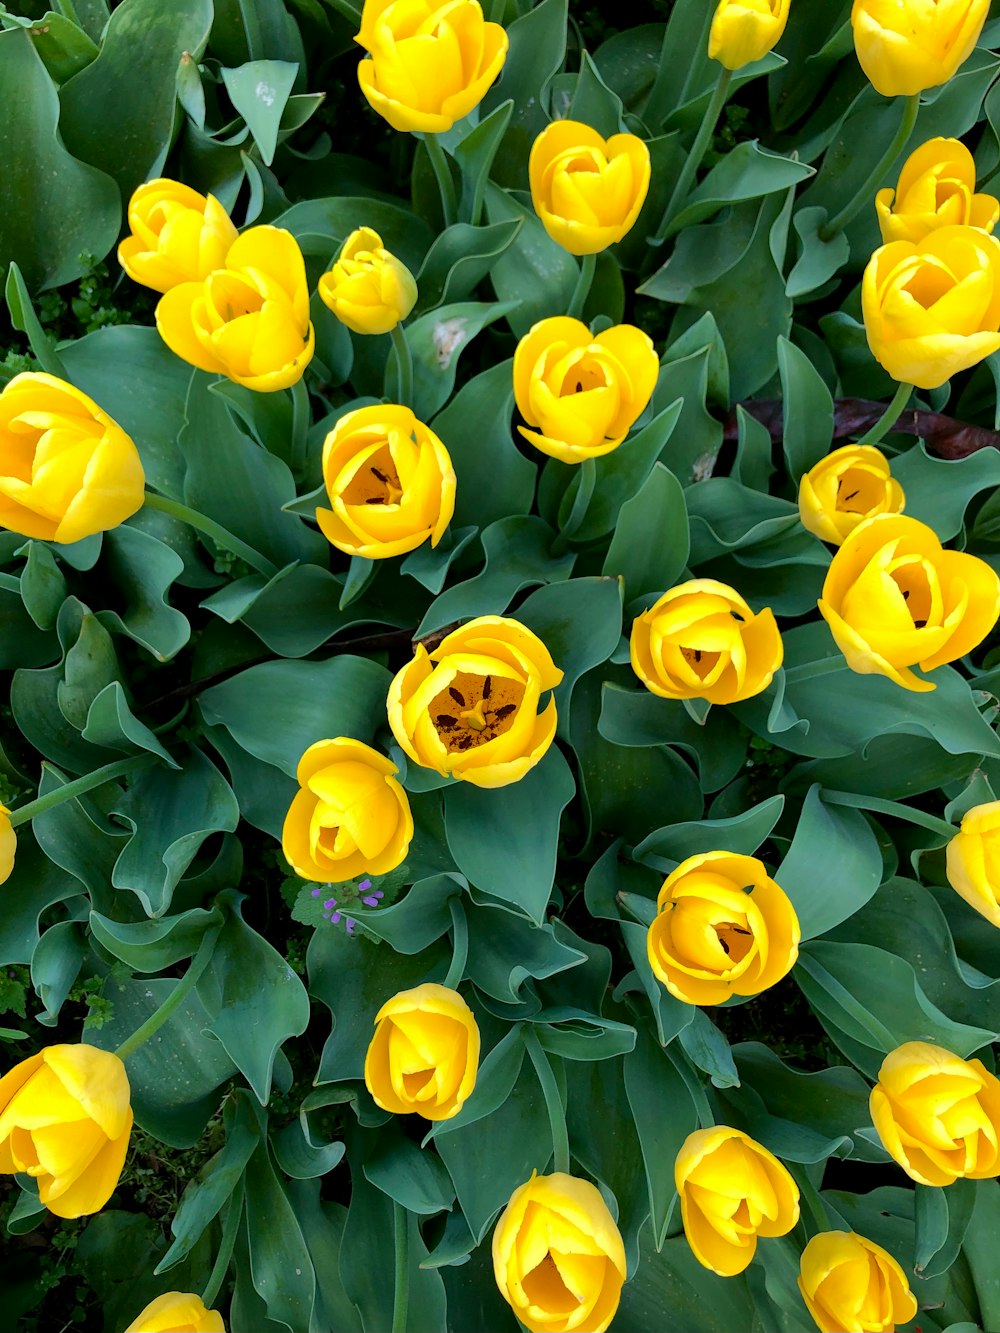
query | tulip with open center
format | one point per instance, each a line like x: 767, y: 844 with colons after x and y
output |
x: 177, y: 235
x: 937, y: 188
x: 846, y: 487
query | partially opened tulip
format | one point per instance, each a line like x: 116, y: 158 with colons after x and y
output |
x: 368, y: 289
x: 894, y: 599
x: 937, y: 188
x: 177, y: 1312
x: 973, y: 860
x: 846, y: 487
x: 852, y: 1285
x: 66, y: 469
x: 745, y: 30
x: 8, y: 845
x: 65, y: 1118
x: 906, y: 46
x: 558, y: 1257
x: 424, y: 1055
x: 177, y: 235
x: 732, y: 1191
x: 587, y: 190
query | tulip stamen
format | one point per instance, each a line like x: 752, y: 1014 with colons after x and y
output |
x: 482, y: 709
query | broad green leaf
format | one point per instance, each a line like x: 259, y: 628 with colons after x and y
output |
x: 280, y: 1266
x: 475, y: 153
x: 436, y: 341
x: 76, y: 836
x: 748, y: 171
x: 938, y: 490
x: 299, y: 1156
x: 505, y: 950
x: 650, y: 546
x: 495, y: 1078
x: 33, y: 886
x: 416, y: 921
x: 55, y: 965
x: 942, y: 1218
x: 259, y: 91
x: 322, y: 1223
x: 742, y: 834
x: 536, y: 51
x: 535, y: 271
x: 43, y: 587
x: 150, y: 946
x: 818, y: 258
x: 582, y: 1036
x: 322, y: 225
x: 833, y: 866
x: 111, y: 723
x: 981, y: 1254
x: 808, y: 410
x: 64, y: 48
x: 459, y: 259
x: 416, y: 1179
x: 22, y: 643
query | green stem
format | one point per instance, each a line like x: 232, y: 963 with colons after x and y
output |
x: 301, y: 418
x: 889, y: 417
x: 186, y: 984
x: 553, y: 1101
x: 404, y: 367
x: 78, y: 786
x: 581, y: 502
x: 459, y: 943
x: 581, y: 291
x: 863, y: 195
x: 223, y: 1258
x: 812, y: 1199
x: 446, y: 186
x: 895, y: 808
x: 693, y: 161
x: 401, y: 1289
x: 220, y: 535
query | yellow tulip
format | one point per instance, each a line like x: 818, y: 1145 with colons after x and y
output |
x: 424, y: 1055
x: 852, y: 1285
x: 582, y: 392
x: 937, y: 188
x: 66, y: 469
x: 587, y: 190
x: 745, y: 30
x: 368, y: 289
x: 177, y: 235
x: 905, y: 46
x: 8, y: 845
x: 932, y: 307
x: 558, y: 1257
x: 723, y: 927
x: 846, y: 487
x: 390, y: 483
x: 470, y: 707
x: 432, y: 61
x: 248, y: 321
x: 894, y: 599
x: 65, y: 1118
x: 937, y: 1115
x: 177, y: 1312
x: 732, y: 1190
x: 350, y: 818
x: 973, y: 860
x: 702, y: 641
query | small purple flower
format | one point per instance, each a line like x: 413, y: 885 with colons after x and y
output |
x: 372, y: 899
x: 316, y: 892
x: 330, y: 902
x: 364, y: 884
x: 349, y: 925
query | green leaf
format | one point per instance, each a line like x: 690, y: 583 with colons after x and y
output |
x: 505, y: 950
x: 695, y: 436
x: 670, y: 1014
x: 34, y: 885
x: 582, y: 1036
x: 808, y: 410
x: 55, y: 965
x: 299, y: 1156
x: 981, y: 1254
x: 708, y: 1050
x: 22, y: 644
x: 255, y: 1000
x: 303, y: 701
x: 416, y: 1179
x: 280, y: 1266
x: 535, y: 272
x: 76, y: 836
x: 436, y: 341
x: 416, y: 921
x: 942, y: 1219
x: 938, y: 490
x: 593, y: 102
x: 474, y: 155
x: 64, y: 48
x: 150, y: 946
x: 650, y: 547
x: 536, y: 52
x: 430, y: 566
x: 742, y: 834
x: 322, y: 225
x: 65, y: 209
x: 259, y: 91
x: 23, y: 317
x: 112, y: 724
x: 118, y: 113
x: 818, y: 258
x: 43, y: 587
x: 459, y: 259
x: 496, y: 1077
x: 748, y: 171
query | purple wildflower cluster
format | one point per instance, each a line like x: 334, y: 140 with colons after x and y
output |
x: 335, y: 914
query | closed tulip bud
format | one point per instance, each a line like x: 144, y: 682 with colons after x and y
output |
x: 846, y: 487
x: 424, y: 1055
x: 937, y: 1115
x: 702, y: 641
x: 852, y: 1285
x: 469, y: 709
x: 910, y: 45
x: 932, y: 308
x: 587, y: 190
x: 368, y: 289
x: 66, y: 469
x: 937, y: 188
x: 732, y: 1190
x: 248, y: 321
x: 894, y: 599
x: 745, y: 30
x: 65, y: 1118
x: 390, y: 483
x: 8, y: 845
x: 177, y: 1312
x: 973, y: 860
x: 582, y: 392
x: 432, y: 61
x: 177, y: 235
x: 723, y: 927
x: 350, y: 818
x: 558, y: 1257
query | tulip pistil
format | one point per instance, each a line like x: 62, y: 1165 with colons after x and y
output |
x: 375, y: 483
x: 475, y: 709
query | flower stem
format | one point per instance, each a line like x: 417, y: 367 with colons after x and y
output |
x: 812, y: 1199
x: 581, y: 291
x: 459, y: 945
x: 225, y: 1254
x: 186, y: 984
x: 222, y: 536
x: 79, y: 786
x: 404, y: 367
x: 553, y: 1101
x: 889, y: 417
x: 703, y: 138
x: 863, y: 194
x: 446, y: 186
x: 401, y: 1289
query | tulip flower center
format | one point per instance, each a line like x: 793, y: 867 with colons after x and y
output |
x: 475, y: 709
x: 701, y: 662
x: 544, y: 1287
x: 736, y: 940
x: 376, y: 482
x: 912, y: 578
x: 858, y: 491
